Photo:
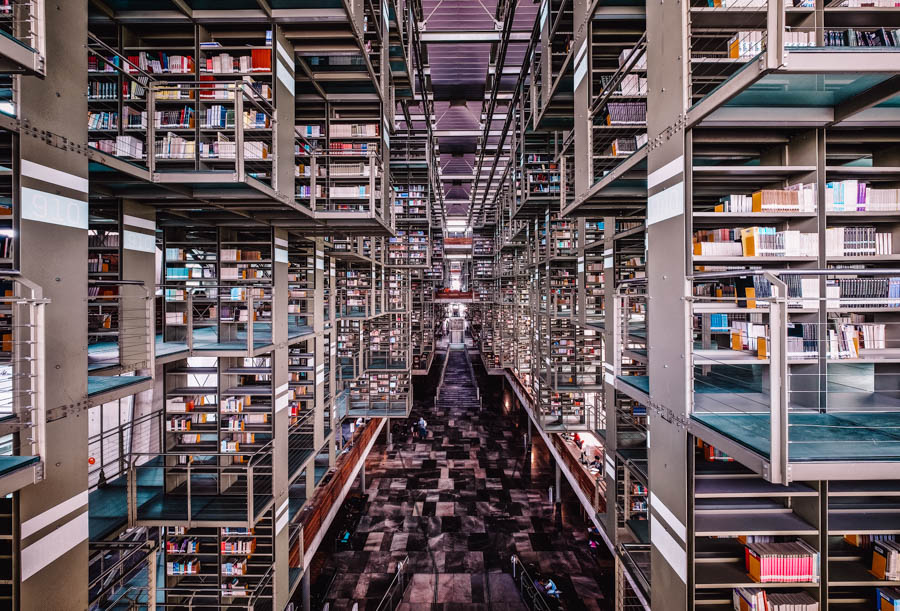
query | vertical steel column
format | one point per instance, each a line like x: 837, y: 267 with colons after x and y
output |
x: 281, y: 416
x: 283, y: 162
x: 53, y: 254
x: 669, y: 321
x: 610, y: 359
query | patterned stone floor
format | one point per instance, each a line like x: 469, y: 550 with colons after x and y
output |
x: 459, y: 504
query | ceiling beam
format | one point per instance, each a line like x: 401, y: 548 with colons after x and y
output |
x: 445, y: 36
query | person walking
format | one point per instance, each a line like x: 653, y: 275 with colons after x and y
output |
x: 423, y: 431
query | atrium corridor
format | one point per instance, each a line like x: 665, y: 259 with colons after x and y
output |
x: 460, y: 504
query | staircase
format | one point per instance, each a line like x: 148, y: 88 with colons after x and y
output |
x: 458, y: 390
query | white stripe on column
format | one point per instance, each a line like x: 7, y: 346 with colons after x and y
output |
x: 43, y: 552
x: 674, y: 554
x: 666, y: 514
x: 666, y: 172
x: 53, y: 176
x: 45, y: 519
x: 136, y: 221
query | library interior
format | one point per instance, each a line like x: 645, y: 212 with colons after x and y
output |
x: 489, y: 305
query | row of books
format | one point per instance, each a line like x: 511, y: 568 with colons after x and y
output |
x: 122, y: 146
x: 758, y: 599
x: 110, y: 90
x: 857, y: 242
x: 103, y: 263
x: 625, y: 145
x: 183, y: 567
x: 235, y: 273
x: 103, y: 120
x: 878, y: 37
x: 237, y: 254
x: 796, y: 198
x: 259, y: 60
x: 804, y: 292
x: 354, y: 148
x: 103, y: 240
x: 856, y: 196
x: 185, y: 273
x: 185, y: 546
x: 787, y: 562
x: 354, y: 130
x: 625, y: 113
x: 160, y: 63
x: 886, y: 560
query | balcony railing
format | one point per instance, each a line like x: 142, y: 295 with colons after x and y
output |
x: 799, y: 368
x: 120, y: 332
x: 23, y: 36
x: 22, y: 380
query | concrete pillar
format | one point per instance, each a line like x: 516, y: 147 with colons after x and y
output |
x: 53, y: 204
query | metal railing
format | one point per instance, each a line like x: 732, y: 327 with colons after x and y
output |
x: 236, y: 477
x: 799, y: 352
x: 23, y: 25
x: 120, y: 326
x: 22, y: 366
x: 397, y: 588
x: 213, y: 316
x: 528, y: 589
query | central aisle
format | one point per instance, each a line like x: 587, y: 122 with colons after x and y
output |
x: 460, y: 504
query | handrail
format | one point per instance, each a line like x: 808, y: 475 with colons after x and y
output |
x: 443, y: 371
x: 398, y: 584
x: 535, y: 599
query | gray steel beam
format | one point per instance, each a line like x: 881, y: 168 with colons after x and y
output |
x: 485, y: 36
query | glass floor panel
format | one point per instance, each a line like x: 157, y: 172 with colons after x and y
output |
x: 100, y: 384
x: 816, y: 436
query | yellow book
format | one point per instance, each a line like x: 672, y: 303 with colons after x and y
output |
x: 750, y: 294
x: 748, y: 241
x: 762, y: 348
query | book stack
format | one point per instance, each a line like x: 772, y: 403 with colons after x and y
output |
x: 103, y: 120
x: 751, y: 336
x: 129, y: 146
x: 802, y: 340
x: 626, y: 113
x: 175, y: 119
x: 888, y: 599
x: 757, y: 599
x: 863, y: 292
x: 352, y: 130
x: 183, y: 567
x: 879, y: 37
x: 173, y: 146
x: 886, y: 560
x: 350, y: 192
x: 857, y: 242
x: 792, y: 562
x: 185, y: 546
x: 745, y: 44
x: 259, y: 60
x: 855, y: 196
x: 160, y: 62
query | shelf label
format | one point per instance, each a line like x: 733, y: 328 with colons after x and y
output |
x: 56, y: 209
x: 281, y: 255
